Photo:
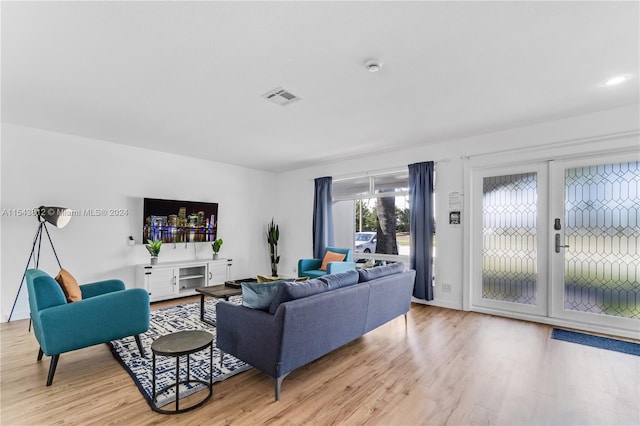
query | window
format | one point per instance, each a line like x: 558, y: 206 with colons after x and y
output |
x: 371, y: 215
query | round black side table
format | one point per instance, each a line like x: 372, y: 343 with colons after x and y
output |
x: 175, y: 345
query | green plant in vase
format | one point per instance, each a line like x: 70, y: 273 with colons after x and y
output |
x: 273, y: 235
x: 153, y: 247
x: 216, y: 245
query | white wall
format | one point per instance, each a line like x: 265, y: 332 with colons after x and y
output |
x: 295, y: 188
x: 53, y: 169
x: 47, y: 168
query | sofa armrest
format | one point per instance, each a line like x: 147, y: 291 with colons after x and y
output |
x: 251, y: 335
x: 335, y: 267
x: 101, y: 287
x: 308, y: 265
x: 96, y: 320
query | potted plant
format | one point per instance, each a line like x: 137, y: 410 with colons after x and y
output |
x: 153, y: 247
x: 217, y: 243
x: 273, y: 234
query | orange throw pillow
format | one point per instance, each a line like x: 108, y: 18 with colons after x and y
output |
x: 69, y: 286
x: 331, y: 257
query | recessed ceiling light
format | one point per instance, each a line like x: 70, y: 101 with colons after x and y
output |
x: 373, y: 65
x: 616, y: 80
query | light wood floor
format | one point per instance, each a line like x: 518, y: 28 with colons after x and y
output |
x: 446, y: 367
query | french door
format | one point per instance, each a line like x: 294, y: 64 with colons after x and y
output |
x: 509, y: 239
x: 559, y: 240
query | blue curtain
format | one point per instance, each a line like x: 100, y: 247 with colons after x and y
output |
x: 322, y: 217
x: 421, y: 227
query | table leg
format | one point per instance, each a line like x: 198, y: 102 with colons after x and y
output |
x: 201, y: 307
x: 213, y: 323
x: 153, y: 379
x: 211, y: 366
x: 178, y: 383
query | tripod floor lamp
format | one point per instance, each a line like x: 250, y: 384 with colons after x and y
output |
x: 58, y: 217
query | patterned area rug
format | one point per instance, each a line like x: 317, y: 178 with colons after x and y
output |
x: 165, y: 321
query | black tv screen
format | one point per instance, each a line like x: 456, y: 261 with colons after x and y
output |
x: 173, y: 221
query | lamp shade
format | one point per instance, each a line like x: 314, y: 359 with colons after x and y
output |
x: 57, y: 216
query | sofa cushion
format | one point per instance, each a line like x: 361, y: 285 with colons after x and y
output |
x: 369, y: 274
x: 259, y: 295
x: 69, y: 286
x: 296, y: 290
x: 341, y: 279
x: 331, y: 256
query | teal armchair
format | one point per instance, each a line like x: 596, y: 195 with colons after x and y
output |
x: 106, y: 312
x: 310, y: 267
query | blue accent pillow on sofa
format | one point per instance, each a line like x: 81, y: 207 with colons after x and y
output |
x: 296, y: 290
x: 259, y: 296
x: 369, y: 274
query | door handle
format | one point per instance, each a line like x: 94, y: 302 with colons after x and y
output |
x: 558, y: 245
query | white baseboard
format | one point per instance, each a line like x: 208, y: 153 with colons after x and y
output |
x: 439, y: 303
x: 17, y: 315
x: 628, y: 334
x: 619, y: 332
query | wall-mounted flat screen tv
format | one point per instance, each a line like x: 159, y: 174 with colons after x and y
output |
x: 173, y: 221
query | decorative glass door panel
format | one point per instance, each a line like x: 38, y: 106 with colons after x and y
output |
x: 509, y: 253
x: 510, y: 239
x: 601, y: 270
x: 596, y: 265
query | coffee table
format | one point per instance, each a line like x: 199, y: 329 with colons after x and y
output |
x: 270, y: 278
x: 218, y: 292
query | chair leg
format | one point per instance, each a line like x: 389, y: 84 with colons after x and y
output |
x: 139, y: 343
x: 52, y: 369
x: 40, y: 353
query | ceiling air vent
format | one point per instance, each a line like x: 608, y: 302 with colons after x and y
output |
x: 280, y: 96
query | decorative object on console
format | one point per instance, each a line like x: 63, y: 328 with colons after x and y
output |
x: 153, y: 247
x: 273, y: 235
x: 58, y: 217
x: 216, y: 245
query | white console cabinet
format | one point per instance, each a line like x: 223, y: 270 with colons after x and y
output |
x: 178, y: 279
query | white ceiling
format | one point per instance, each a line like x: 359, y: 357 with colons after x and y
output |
x: 188, y: 77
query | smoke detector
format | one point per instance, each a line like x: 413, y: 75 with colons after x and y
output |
x: 280, y: 96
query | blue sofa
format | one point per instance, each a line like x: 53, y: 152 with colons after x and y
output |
x: 307, y: 320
